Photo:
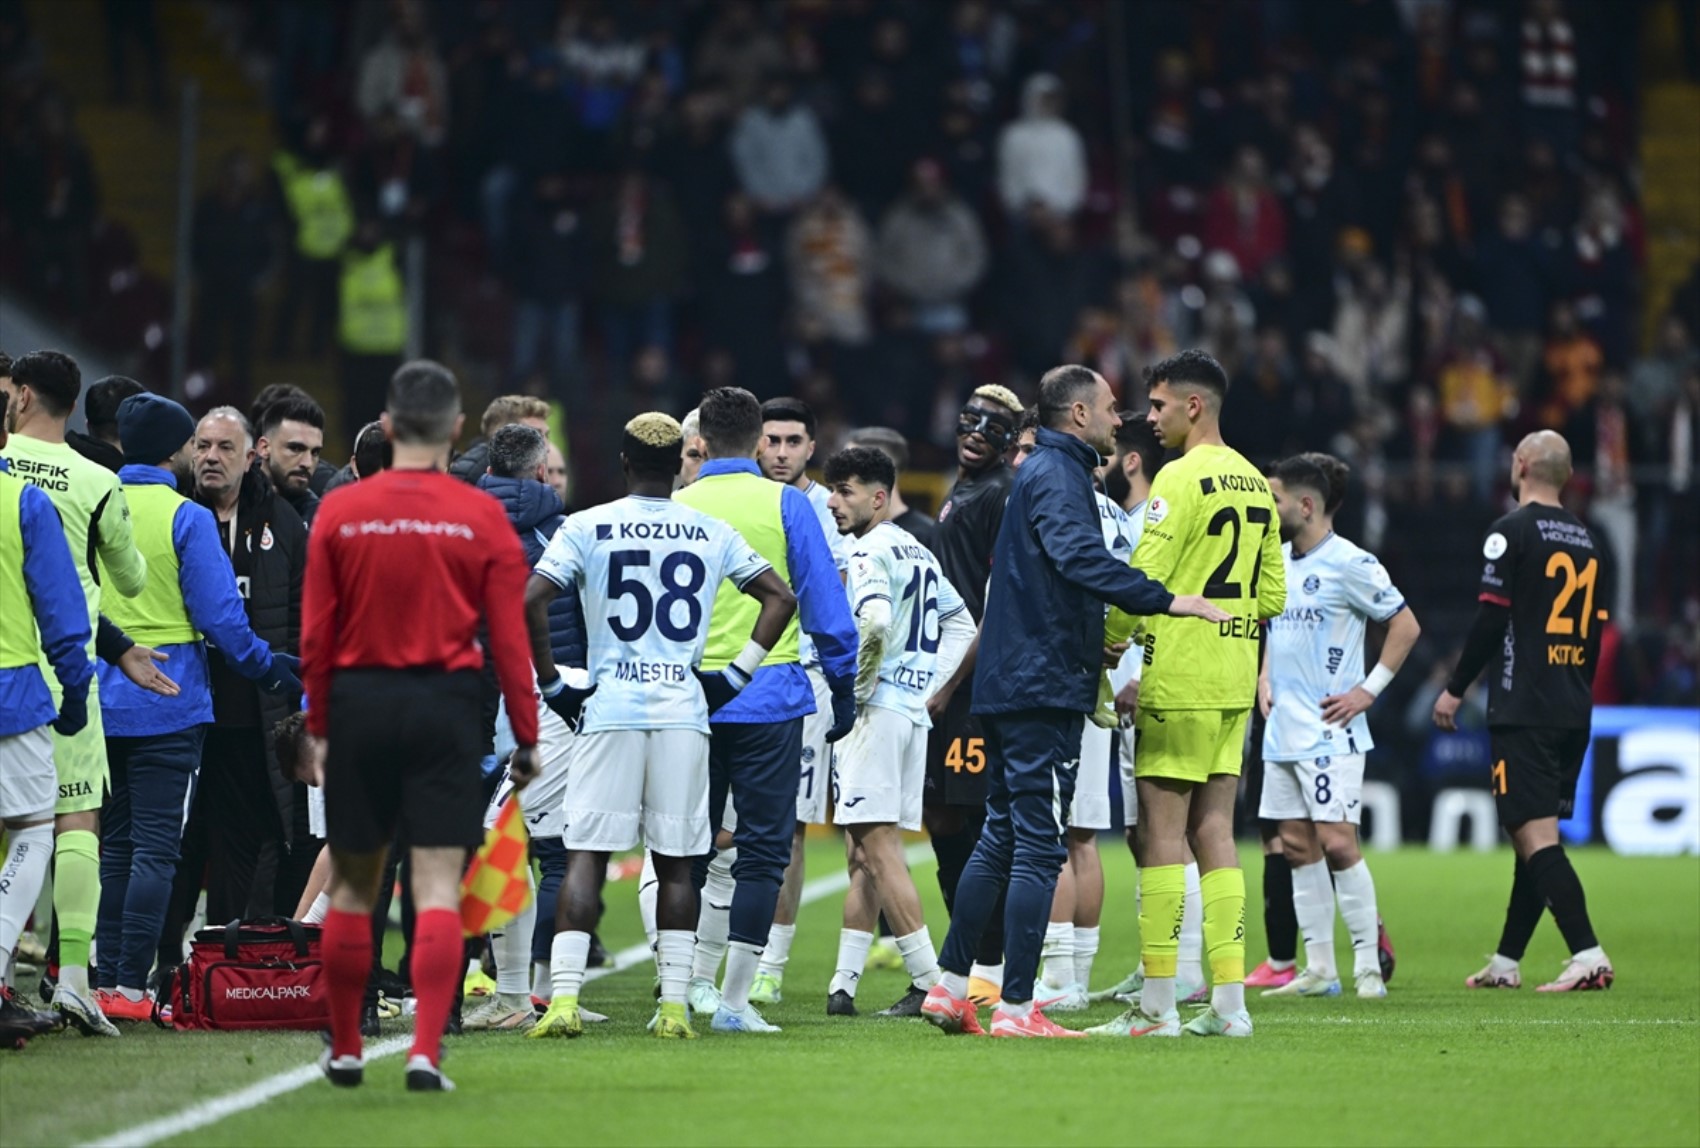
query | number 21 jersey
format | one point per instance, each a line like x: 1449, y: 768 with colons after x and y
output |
x: 646, y: 571
x: 1541, y: 563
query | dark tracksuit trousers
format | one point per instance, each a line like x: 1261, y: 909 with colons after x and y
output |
x: 757, y: 764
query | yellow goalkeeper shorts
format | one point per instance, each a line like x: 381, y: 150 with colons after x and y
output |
x: 1189, y: 745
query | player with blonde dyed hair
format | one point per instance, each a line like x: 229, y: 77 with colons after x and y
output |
x: 647, y: 570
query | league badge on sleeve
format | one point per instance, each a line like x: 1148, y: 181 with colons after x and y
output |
x: 1156, y: 510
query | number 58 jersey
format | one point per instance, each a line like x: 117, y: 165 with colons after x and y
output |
x: 1541, y: 563
x: 646, y: 571
x: 1210, y: 529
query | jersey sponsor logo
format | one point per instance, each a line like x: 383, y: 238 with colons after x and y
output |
x: 1156, y: 510
x: 1312, y: 584
x: 46, y: 475
x: 76, y: 789
x: 407, y: 526
x: 650, y: 531
x: 1495, y: 545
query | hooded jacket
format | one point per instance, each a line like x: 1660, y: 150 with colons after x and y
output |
x: 1040, y: 156
x: 535, y: 511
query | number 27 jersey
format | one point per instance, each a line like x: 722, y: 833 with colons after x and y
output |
x: 646, y: 571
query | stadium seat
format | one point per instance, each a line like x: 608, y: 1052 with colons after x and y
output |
x: 1452, y: 807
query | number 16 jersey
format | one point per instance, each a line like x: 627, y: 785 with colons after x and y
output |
x: 1210, y: 529
x: 646, y: 571
x: 888, y: 563
x: 1541, y: 562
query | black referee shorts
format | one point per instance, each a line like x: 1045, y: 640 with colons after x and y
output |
x: 1535, y: 769
x: 402, y: 753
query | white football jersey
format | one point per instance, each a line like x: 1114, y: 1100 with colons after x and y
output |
x: 1316, y: 647
x: 646, y: 571
x: 1114, y: 521
x: 888, y: 563
x: 840, y: 546
x: 1133, y: 526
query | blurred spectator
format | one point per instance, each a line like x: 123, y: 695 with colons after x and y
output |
x: 638, y: 259
x: 372, y: 322
x: 829, y: 256
x: 546, y: 266
x: 1323, y: 408
x: 1041, y: 157
x: 1046, y: 280
x: 1549, y: 78
x: 559, y: 480
x: 1655, y: 379
x: 232, y: 251
x: 1225, y: 317
x: 1475, y: 397
x: 128, y: 20
x: 1571, y: 363
x: 405, y: 72
x: 931, y: 252
x: 1260, y: 419
x: 742, y: 289
x: 52, y: 197
x: 738, y: 51
x: 528, y: 137
x: 322, y: 217
x: 1321, y: 215
x: 1599, y: 437
x: 1243, y: 217
x: 1599, y: 275
x: 395, y: 177
x: 1371, y: 330
x: 778, y: 150
x: 602, y: 67
x: 696, y: 164
x: 1512, y: 273
x: 874, y: 143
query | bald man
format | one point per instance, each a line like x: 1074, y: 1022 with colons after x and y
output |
x: 1541, y: 578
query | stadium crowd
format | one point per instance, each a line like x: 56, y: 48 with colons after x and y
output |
x: 1405, y: 228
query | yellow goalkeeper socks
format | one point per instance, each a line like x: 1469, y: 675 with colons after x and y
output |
x: 1162, y: 899
x: 1223, y: 893
x: 76, y: 895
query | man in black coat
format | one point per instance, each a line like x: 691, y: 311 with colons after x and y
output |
x: 241, y: 825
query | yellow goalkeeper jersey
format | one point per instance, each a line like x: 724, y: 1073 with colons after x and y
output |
x: 1210, y: 529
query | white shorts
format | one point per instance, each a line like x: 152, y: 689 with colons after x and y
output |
x: 880, y: 770
x: 1325, y: 789
x: 1130, y: 792
x: 29, y: 784
x: 544, y: 800
x: 1091, y: 807
x: 316, y: 811
x: 632, y: 784
x: 814, y: 785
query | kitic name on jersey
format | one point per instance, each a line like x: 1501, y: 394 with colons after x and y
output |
x: 650, y: 531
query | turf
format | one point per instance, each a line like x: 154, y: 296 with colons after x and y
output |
x: 1433, y: 1063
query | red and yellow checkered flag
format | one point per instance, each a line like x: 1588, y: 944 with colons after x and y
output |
x: 497, y: 885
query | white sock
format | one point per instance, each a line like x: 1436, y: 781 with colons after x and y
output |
x: 542, y: 987
x: 1501, y: 964
x: 21, y: 875
x: 1228, y: 999
x: 920, y: 960
x: 512, y: 949
x: 778, y: 950
x: 742, y: 960
x: 75, y: 978
x: 1594, y: 954
x: 130, y: 994
x: 1189, y: 965
x: 1057, y: 952
x: 568, y: 957
x: 1158, y: 996
x: 1355, y: 888
x: 1280, y: 966
x: 649, y: 890
x: 1085, y: 952
x: 673, y: 963
x: 317, y: 910
x: 852, y: 959
x: 992, y: 974
x: 713, y: 924
x: 955, y: 983
x: 1016, y: 1010
x: 1313, y: 905
x: 474, y: 965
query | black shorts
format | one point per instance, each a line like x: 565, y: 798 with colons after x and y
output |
x: 1534, y: 771
x: 402, y: 754
x: 956, y: 757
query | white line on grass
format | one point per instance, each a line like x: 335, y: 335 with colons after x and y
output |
x: 1455, y: 1022
x: 197, y: 1116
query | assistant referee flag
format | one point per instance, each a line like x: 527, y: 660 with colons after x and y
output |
x: 497, y: 885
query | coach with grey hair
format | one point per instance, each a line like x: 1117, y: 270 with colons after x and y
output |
x: 241, y: 828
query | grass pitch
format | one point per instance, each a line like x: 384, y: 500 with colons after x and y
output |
x: 1434, y: 1063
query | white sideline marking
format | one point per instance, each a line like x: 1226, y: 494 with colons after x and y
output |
x: 1507, y: 1021
x: 198, y: 1116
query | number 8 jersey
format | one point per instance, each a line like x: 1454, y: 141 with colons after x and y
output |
x: 1541, y: 562
x: 1210, y: 528
x: 888, y: 563
x: 646, y: 571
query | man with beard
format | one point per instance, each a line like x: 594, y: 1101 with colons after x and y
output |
x: 152, y: 743
x: 292, y: 436
x: 954, y: 798
x: 244, y: 806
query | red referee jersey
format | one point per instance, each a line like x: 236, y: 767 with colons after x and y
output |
x: 400, y: 569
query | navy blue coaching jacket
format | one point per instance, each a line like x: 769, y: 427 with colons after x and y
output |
x: 1051, y: 575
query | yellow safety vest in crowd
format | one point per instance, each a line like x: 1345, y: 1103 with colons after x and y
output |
x: 157, y: 616
x: 374, y: 303
x: 318, y: 199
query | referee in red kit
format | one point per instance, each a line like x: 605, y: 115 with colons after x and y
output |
x: 400, y: 569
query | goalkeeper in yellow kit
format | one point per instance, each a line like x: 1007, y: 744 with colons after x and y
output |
x: 1210, y: 529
